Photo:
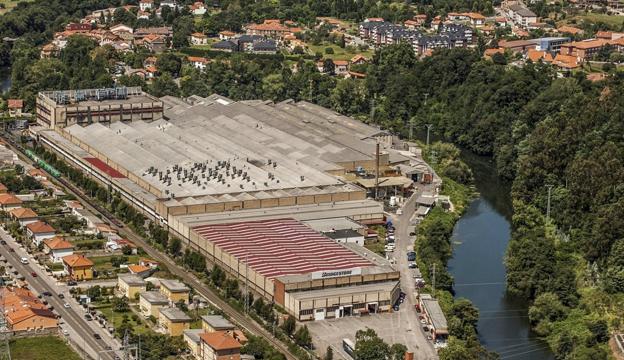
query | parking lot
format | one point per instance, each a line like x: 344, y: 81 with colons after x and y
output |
x: 396, y: 327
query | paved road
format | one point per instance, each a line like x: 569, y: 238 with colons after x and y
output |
x: 402, y: 229
x: 80, y: 330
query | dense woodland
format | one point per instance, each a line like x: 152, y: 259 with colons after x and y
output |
x: 540, y: 129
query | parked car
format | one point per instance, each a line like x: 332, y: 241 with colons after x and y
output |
x: 72, y: 283
x: 97, y: 336
x: 11, y: 250
x: 47, y: 293
x: 33, y: 274
x: 61, y: 296
x: 88, y: 317
x: 65, y: 305
x: 412, y: 265
x: 2, y: 242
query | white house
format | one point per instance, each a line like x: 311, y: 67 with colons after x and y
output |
x: 24, y: 216
x: 198, y: 8
x: 145, y: 5
x: 169, y: 3
x: 57, y: 248
x: 39, y: 231
x: 120, y: 28
x: 521, y: 15
x: 198, y: 62
x: 199, y: 39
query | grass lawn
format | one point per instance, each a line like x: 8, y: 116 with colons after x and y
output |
x: 339, y: 53
x: 103, y: 263
x: 614, y: 21
x: 42, y: 348
x: 115, y: 319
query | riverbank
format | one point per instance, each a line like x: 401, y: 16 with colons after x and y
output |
x: 480, y: 240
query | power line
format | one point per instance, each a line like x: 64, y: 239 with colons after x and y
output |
x: 544, y: 347
x: 482, y: 284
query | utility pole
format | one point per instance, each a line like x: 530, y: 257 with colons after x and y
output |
x: 429, y: 126
x: 548, y: 202
x: 372, y: 111
x: 246, y: 284
x: 376, y: 170
x: 433, y: 281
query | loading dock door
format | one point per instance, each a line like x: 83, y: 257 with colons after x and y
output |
x: 319, y: 314
x: 372, y: 307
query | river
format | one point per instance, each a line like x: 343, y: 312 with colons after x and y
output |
x: 480, y: 238
x: 5, y: 80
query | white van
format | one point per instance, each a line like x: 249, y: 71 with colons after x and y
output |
x: 24, y: 260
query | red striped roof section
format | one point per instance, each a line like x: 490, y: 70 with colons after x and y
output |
x: 102, y: 166
x: 281, y: 247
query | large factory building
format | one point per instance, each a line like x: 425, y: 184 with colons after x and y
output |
x: 201, y: 166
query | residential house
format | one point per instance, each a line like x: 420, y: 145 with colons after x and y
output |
x: 140, y: 270
x: 117, y: 243
x: 521, y: 15
x: 199, y: 63
x: 150, y: 72
x: 149, y: 263
x: 359, y: 59
x: 473, y: 18
x: 198, y: 38
x: 212, y: 323
x: 145, y: 5
x: 341, y: 67
x: 583, y: 50
x: 566, y: 29
x: 173, y: 321
x: 150, y: 303
x: 129, y: 285
x: 29, y: 319
x: 225, y: 46
x: 165, y: 31
x: 57, y: 247
x: 155, y: 43
x: 488, y: 53
x: 38, y: 174
x: 552, y: 44
x: 168, y: 3
x: 537, y: 55
x: 226, y: 35
x: 271, y: 28
x: 70, y: 205
x: 38, y: 231
x: 219, y: 346
x: 266, y: 46
x: 145, y: 15
x: 78, y: 27
x: 517, y: 45
x: 198, y: 8
x: 87, y: 217
x: 192, y: 340
x: 150, y: 61
x: 15, y: 107
x: 174, y: 290
x: 105, y: 229
x: 566, y: 62
x: 502, y: 21
x: 24, y: 216
x: 78, y: 267
x: 121, y: 28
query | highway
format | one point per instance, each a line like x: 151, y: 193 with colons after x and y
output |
x: 79, y: 329
x: 241, y: 320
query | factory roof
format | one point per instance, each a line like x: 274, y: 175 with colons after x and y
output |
x: 281, y: 247
x: 333, y: 224
x: 299, y: 212
x: 98, y: 97
x: 343, y: 291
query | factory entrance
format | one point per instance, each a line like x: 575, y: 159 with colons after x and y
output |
x: 372, y: 307
x: 344, y: 311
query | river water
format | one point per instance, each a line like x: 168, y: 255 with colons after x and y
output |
x: 480, y: 238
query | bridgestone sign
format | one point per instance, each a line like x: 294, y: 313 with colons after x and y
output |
x: 327, y: 274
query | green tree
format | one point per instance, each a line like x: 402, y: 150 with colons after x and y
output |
x: 329, y: 353
x: 302, y: 337
x: 289, y: 325
x: 175, y: 245
x: 164, y: 85
x: 546, y: 309
x: 369, y: 346
x: 169, y: 62
x: 120, y: 304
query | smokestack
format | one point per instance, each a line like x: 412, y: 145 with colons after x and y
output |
x: 409, y: 355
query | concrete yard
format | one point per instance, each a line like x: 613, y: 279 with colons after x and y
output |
x: 397, y: 327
